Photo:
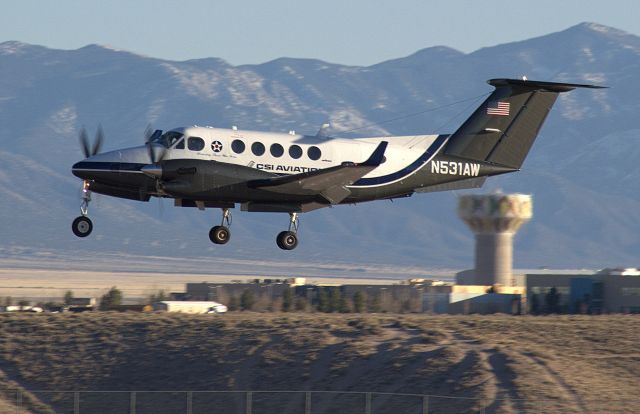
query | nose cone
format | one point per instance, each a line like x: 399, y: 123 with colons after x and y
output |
x: 81, y: 169
x: 109, y: 165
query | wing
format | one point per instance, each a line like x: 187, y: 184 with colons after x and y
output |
x: 330, y: 183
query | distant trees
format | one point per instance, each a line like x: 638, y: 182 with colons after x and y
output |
x: 287, y: 300
x: 301, y: 304
x: 158, y: 297
x: 326, y: 299
x: 359, y: 302
x: 323, y: 301
x: 332, y: 300
x: 247, y: 300
x: 552, y: 299
x: 68, y: 297
x: 374, y: 304
x: 112, y: 297
x: 535, y: 304
x: 233, y: 304
x: 343, y: 304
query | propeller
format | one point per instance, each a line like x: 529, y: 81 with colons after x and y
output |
x: 148, y: 133
x: 87, y: 149
x: 156, y: 152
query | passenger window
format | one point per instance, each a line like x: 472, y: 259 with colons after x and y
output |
x: 195, y: 143
x: 257, y: 148
x: 237, y: 146
x: 314, y: 153
x: 277, y: 150
x: 295, y: 151
x: 180, y: 145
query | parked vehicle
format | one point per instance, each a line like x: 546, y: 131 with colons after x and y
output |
x: 189, y: 306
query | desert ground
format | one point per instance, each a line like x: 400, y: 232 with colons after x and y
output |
x: 499, y: 363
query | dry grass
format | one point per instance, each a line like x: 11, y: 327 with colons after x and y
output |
x: 509, y: 364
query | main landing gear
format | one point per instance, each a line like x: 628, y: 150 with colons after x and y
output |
x: 221, y: 234
x: 288, y: 240
x: 82, y: 225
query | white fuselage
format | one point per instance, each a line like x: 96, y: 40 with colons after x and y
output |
x: 282, y: 156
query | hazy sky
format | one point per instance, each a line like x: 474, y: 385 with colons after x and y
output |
x: 341, y: 31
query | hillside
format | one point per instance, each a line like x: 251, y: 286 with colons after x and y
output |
x: 568, y: 364
x: 582, y: 171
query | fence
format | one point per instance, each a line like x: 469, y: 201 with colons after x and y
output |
x: 258, y: 402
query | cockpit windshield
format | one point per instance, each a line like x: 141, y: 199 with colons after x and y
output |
x: 167, y: 139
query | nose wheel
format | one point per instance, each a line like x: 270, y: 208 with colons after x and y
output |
x: 221, y: 234
x: 82, y: 225
x: 288, y: 240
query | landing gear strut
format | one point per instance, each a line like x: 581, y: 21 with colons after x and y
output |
x: 288, y: 240
x: 221, y: 234
x: 82, y: 225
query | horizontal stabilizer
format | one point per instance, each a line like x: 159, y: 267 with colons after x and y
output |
x: 541, y: 85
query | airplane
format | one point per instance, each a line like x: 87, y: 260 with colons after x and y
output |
x: 206, y: 167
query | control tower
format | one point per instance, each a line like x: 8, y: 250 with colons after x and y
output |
x: 494, y: 218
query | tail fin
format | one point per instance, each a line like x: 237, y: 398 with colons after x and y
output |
x: 502, y: 130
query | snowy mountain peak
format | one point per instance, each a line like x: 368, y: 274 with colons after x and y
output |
x: 14, y: 47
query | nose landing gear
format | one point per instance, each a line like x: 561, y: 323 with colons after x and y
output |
x: 221, y: 234
x: 288, y: 240
x: 82, y: 225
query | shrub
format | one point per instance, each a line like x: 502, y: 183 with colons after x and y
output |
x: 112, y: 297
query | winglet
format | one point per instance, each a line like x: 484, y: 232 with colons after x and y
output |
x: 378, y: 155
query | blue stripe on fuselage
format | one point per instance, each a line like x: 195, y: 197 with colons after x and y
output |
x: 408, y: 170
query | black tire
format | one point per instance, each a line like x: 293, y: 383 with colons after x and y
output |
x: 82, y: 226
x: 219, y: 234
x: 287, y: 240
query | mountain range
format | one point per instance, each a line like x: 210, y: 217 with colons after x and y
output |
x: 582, y: 171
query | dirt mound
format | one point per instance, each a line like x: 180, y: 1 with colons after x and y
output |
x: 501, y: 363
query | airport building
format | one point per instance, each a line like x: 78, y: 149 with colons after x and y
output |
x: 606, y: 291
x: 492, y: 286
x: 533, y: 292
x: 268, y: 289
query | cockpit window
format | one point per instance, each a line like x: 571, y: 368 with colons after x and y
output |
x: 167, y: 139
x: 180, y: 144
x: 195, y: 143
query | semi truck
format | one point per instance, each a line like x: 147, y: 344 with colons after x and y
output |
x: 186, y: 306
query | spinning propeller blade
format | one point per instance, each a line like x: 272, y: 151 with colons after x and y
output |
x: 156, y: 152
x: 148, y: 132
x: 84, y: 143
x: 97, y: 144
x: 89, y: 150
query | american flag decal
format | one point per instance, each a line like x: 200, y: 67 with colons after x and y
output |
x: 498, y: 108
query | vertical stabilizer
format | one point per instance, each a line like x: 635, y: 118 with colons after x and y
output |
x: 502, y: 130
